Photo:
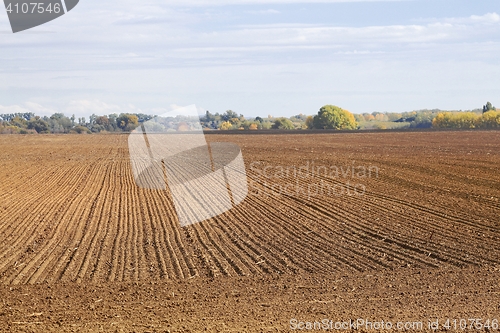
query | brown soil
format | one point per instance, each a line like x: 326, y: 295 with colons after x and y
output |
x: 82, y: 248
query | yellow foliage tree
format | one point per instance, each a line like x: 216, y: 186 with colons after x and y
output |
x: 334, y: 117
x: 226, y: 126
x: 490, y: 119
x: 455, y: 120
x: 234, y: 121
x: 310, y: 122
x: 369, y: 117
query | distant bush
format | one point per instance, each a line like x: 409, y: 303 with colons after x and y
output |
x: 81, y: 130
x: 27, y: 131
x: 266, y: 125
x: 283, y: 123
x: 9, y: 130
x: 370, y: 125
x: 39, y: 125
x: 380, y: 126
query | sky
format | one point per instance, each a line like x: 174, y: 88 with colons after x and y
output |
x: 256, y: 57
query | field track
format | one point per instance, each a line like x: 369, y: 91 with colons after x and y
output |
x: 70, y: 210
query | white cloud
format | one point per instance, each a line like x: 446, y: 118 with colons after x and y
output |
x: 80, y: 108
x: 473, y: 20
x: 13, y: 109
x: 487, y: 18
x: 281, y: 39
x: 87, y: 107
x: 264, y: 12
x: 39, y: 110
x: 174, y: 107
x: 27, y: 107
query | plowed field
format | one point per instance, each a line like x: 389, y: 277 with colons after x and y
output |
x: 318, y: 205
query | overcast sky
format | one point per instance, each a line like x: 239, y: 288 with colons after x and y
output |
x: 255, y: 57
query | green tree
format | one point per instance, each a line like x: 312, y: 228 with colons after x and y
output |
x: 208, y: 117
x: 283, y: 124
x: 488, y: 107
x: 112, y: 122
x: 39, y: 125
x: 229, y: 114
x: 92, y: 119
x: 60, y: 123
x: 334, y: 117
x: 19, y: 122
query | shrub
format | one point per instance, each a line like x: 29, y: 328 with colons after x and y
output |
x: 283, y: 123
x: 9, y: 130
x: 82, y: 130
x: 39, y: 125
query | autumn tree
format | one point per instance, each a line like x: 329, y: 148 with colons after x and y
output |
x: 310, y: 122
x: 456, y: 120
x: 490, y: 119
x: 369, y: 117
x: 102, y: 120
x: 226, y: 125
x: 334, y: 117
x: 127, y: 122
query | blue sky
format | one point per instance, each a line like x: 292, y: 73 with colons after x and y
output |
x: 254, y: 57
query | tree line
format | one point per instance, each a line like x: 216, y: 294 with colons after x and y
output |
x: 328, y: 117
x: 26, y: 123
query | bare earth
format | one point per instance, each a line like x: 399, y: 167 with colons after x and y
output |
x: 82, y: 248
